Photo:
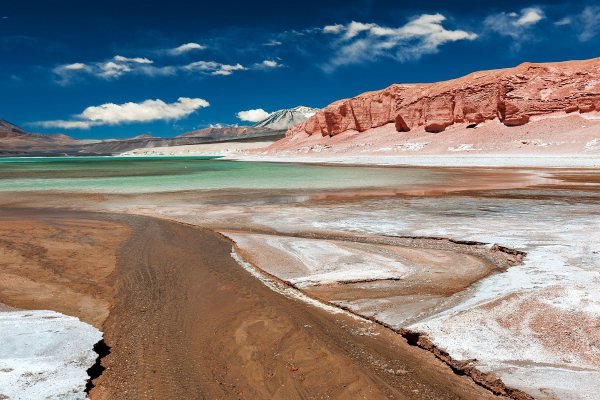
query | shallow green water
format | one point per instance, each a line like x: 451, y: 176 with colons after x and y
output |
x: 159, y: 174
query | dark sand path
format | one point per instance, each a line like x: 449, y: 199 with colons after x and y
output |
x: 187, y: 322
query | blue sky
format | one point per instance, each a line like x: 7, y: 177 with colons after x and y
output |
x: 123, y: 68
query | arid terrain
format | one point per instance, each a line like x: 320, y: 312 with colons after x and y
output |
x: 316, y: 200
x: 255, y: 293
x: 182, y: 319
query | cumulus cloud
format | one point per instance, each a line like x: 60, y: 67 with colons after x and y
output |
x: 358, y: 42
x: 514, y: 24
x: 256, y: 115
x: 185, y: 48
x: 115, y: 114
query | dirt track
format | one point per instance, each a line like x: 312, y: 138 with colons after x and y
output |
x: 187, y: 322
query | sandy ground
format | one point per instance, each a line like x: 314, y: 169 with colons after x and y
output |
x: 186, y: 321
x: 210, y: 149
x: 65, y: 263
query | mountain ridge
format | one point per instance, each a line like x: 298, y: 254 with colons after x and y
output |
x: 511, y: 95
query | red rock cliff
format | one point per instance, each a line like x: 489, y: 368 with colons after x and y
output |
x: 512, y: 95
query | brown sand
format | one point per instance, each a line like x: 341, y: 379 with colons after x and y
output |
x: 59, y: 261
x: 186, y: 322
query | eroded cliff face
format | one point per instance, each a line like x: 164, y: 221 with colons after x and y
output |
x: 512, y: 95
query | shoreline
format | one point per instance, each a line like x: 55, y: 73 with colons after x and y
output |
x: 492, y: 160
x: 436, y: 160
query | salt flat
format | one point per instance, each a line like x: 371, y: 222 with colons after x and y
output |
x: 44, y: 355
x: 538, y: 317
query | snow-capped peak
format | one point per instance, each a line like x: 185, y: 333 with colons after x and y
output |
x: 285, y: 119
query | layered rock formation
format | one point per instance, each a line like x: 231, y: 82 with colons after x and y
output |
x: 512, y: 95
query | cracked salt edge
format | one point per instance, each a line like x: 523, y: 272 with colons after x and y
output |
x: 45, y: 355
x: 288, y: 291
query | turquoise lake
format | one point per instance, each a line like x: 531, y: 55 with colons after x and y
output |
x: 162, y: 174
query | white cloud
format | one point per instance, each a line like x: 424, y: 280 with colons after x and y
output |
x: 590, y: 23
x: 564, y: 21
x: 65, y: 124
x: 271, y: 63
x: 256, y: 115
x: 75, y: 67
x: 113, y: 69
x: 225, y: 69
x: 514, y: 24
x: 214, y: 68
x: 148, y: 110
x: 110, y: 69
x: 135, y: 60
x: 185, y: 48
x: 219, y: 125
x: 530, y: 16
x: 273, y: 43
x: 115, y: 114
x: 337, y: 28
x: 358, y: 42
x: 586, y: 23
x: 118, y: 66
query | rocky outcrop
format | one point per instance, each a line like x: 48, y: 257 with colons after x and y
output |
x: 512, y: 95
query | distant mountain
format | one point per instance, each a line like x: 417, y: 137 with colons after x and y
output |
x: 285, y: 119
x: 143, y: 136
x: 275, y: 125
x: 16, y: 141
x: 12, y: 136
x: 223, y: 132
x: 8, y: 130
